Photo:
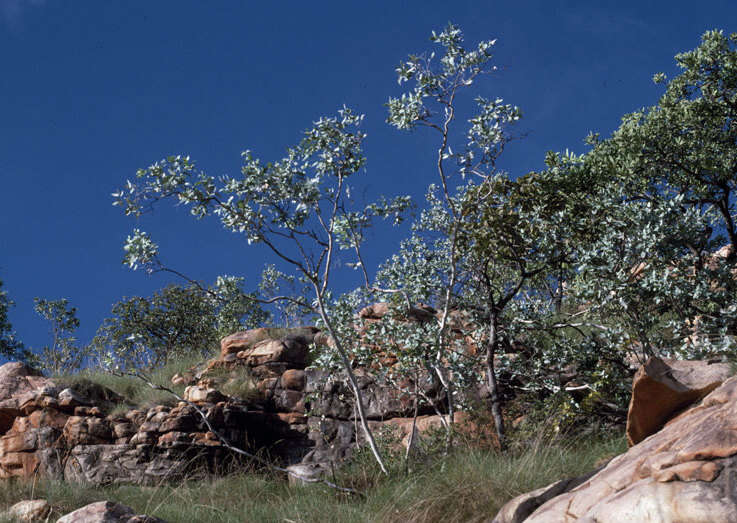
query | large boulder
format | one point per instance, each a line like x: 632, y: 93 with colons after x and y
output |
x: 247, y: 340
x: 683, y: 473
x: 662, y: 387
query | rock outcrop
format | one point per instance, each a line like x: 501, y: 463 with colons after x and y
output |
x: 662, y: 387
x: 684, y: 472
x: 258, y: 395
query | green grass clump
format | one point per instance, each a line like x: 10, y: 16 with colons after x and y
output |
x: 468, y: 485
x: 134, y: 391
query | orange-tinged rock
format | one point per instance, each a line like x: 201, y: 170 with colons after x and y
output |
x: 293, y: 379
x: 18, y: 464
x: 275, y: 351
x: 242, y: 340
x: 690, y: 471
x: 87, y: 431
x: 18, y: 442
x: 684, y: 472
x: 661, y: 388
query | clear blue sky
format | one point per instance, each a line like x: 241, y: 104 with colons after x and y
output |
x: 90, y: 91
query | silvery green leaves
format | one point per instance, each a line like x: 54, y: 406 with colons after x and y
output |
x: 141, y: 251
x: 438, y: 82
x: 488, y: 134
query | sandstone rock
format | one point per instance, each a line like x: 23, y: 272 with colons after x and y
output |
x: 663, y: 387
x: 684, y: 472
x: 107, y: 512
x: 69, y: 399
x: 142, y: 464
x: 8, y: 412
x: 123, y: 429
x: 87, y: 431
x: 288, y: 400
x: 271, y: 351
x: 29, y: 510
x: 144, y: 438
x: 18, y: 464
x: 519, y: 509
x: 199, y: 394
x: 242, y: 340
x: 88, y: 411
x: 17, y: 378
x: 293, y: 379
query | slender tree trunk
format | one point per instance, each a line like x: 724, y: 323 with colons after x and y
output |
x: 354, y: 385
x: 496, y: 407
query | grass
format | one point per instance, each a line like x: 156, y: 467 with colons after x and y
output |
x: 135, y: 392
x: 469, y: 485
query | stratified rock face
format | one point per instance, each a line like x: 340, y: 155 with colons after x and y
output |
x: 686, y: 472
x: 107, y: 512
x: 663, y: 387
x: 257, y: 395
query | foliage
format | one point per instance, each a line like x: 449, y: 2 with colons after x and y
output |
x: 684, y: 146
x: 9, y: 345
x: 64, y: 355
x: 298, y: 207
x: 175, y: 322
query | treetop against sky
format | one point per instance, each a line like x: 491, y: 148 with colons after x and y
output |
x: 90, y: 92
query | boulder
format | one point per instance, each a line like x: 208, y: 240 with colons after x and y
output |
x: 201, y: 394
x: 684, y: 472
x: 29, y: 510
x: 240, y: 341
x: 107, y: 512
x: 18, y: 378
x: 293, y: 379
x: 663, y: 387
x: 80, y: 430
x: 289, y: 350
x: 519, y: 509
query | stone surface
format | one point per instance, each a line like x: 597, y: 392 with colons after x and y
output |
x: 293, y: 379
x: 686, y: 472
x: 663, y: 387
x: 29, y: 510
x: 200, y: 394
x: 107, y: 512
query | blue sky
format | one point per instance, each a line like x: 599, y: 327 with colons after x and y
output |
x: 91, y: 91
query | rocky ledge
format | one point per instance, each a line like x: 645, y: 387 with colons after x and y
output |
x: 681, y: 467
x: 257, y: 394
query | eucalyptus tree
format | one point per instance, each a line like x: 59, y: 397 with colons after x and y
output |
x: 298, y: 207
x: 175, y: 322
x: 686, y: 145
x: 433, y: 104
x: 662, y: 191
x: 9, y: 346
x: 520, y: 238
x: 64, y: 355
